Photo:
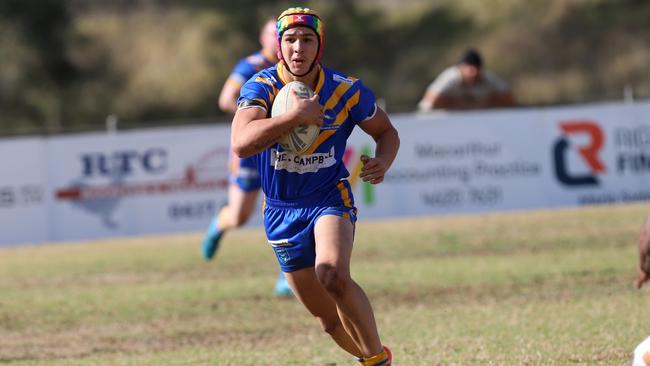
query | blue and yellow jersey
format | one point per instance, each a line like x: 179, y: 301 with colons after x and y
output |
x: 318, y: 176
x: 247, y: 67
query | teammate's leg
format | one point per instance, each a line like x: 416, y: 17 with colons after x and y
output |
x: 309, y: 291
x: 241, y: 204
x: 242, y: 201
x: 334, y: 236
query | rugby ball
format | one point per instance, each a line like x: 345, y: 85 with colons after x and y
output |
x: 642, y: 354
x: 303, y: 136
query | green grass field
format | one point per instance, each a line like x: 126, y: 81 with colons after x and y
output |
x: 535, y: 288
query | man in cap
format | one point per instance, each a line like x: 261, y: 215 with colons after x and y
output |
x: 466, y: 86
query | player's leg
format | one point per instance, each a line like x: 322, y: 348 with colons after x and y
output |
x: 309, y: 291
x: 241, y: 204
x: 290, y: 234
x: 212, y: 237
x: 334, y: 236
x: 242, y: 197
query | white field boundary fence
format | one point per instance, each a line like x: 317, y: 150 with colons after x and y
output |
x: 171, y: 180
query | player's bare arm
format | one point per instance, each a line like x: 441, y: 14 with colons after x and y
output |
x: 386, y: 137
x: 228, y: 96
x: 643, y: 274
x: 253, y: 132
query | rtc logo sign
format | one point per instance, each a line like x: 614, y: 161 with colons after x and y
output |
x: 588, y: 152
x: 123, y: 163
x: 117, y: 170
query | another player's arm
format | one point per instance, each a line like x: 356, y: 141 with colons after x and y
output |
x: 643, y: 274
x: 252, y: 131
x: 387, y: 142
x: 228, y: 96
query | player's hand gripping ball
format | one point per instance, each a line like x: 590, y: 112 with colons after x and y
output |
x: 302, y: 136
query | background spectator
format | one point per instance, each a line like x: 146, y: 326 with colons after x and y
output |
x: 466, y: 86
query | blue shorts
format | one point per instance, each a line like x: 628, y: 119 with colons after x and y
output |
x: 290, y: 231
x: 247, y: 177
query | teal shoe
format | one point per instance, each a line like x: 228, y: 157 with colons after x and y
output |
x: 282, y: 288
x: 211, y: 240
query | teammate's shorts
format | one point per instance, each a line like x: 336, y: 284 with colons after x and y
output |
x: 247, y: 177
x: 290, y: 231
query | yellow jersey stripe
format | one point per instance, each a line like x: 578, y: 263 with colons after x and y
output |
x: 273, y: 93
x: 337, y: 94
x: 340, y: 118
x: 321, y: 80
x: 343, y: 114
x: 281, y: 73
x: 324, y: 135
x: 345, y: 194
x: 267, y: 82
x: 263, y: 80
x: 262, y: 102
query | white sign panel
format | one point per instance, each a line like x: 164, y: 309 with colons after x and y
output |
x: 23, y: 203
x: 511, y: 159
x: 153, y: 181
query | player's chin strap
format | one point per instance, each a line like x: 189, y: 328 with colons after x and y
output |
x: 313, y: 64
x: 306, y: 73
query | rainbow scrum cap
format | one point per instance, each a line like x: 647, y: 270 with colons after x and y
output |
x: 301, y: 17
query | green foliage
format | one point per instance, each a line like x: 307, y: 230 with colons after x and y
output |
x: 66, y: 65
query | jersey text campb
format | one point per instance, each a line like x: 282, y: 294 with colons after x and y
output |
x: 289, y: 177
